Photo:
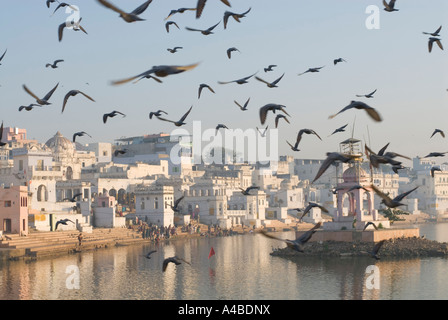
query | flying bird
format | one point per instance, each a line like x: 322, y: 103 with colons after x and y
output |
x: 278, y: 117
x: 438, y: 131
x: 157, y: 113
x: 433, y: 169
x: 175, y: 207
x: 111, y: 115
x: 80, y: 134
x: 340, y: 129
x: 306, y: 131
x: 174, y: 50
x: 395, y: 202
x: 181, y: 120
x: 167, y: 25
x: 361, y: 106
x: 263, y: 134
x: 54, y: 65
x: 202, y: 86
x: 73, y: 199
x: 435, y: 154
x: 298, y: 243
x: 220, y: 126
x: 159, y: 71
x: 269, y: 68
x: 435, y: 33
x: 63, y: 5
x: 176, y: 260
x: 338, y: 60
x: 201, y: 4
x: 73, y: 93
x: 332, y: 157
x: 236, y: 16
x: 370, y: 223
x: 63, y: 222
x: 369, y: 95
x: 120, y: 152
x: 310, y: 206
x: 271, y: 84
x: 389, y: 7
x: 29, y: 107
x: 312, y: 70
x: 246, y: 191
x: 74, y: 25
x: 205, y: 32
x: 270, y: 107
x: 3, y: 55
x: 431, y: 42
x: 230, y: 50
x: 128, y: 17
x: 180, y: 10
x: 376, y: 248
x: 242, y: 107
x: 44, y: 100
x: 148, y: 255
x: 239, y: 81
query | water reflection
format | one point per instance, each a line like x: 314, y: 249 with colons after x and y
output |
x: 242, y: 268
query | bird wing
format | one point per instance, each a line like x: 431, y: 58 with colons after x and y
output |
x: 263, y: 232
x: 386, y: 5
x: 213, y: 27
x: 381, y: 152
x: 176, y: 203
x: 67, y: 96
x: 186, y: 115
x: 140, y: 9
x: 49, y: 94
x: 163, y: 119
x: 439, y: 43
x: 259, y: 79
x: 382, y: 195
x: 1, y: 58
x: 112, y: 7
x: 324, y: 167
x: 90, y: 98
x: 403, y: 195
x: 192, y: 29
x: 30, y: 93
x: 307, y: 235
x: 277, y: 81
x: 430, y: 42
x: 377, y: 247
x: 199, y: 8
x: 373, y: 114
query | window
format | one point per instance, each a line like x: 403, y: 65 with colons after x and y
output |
x: 156, y: 203
x: 20, y: 165
x: 7, y: 204
x: 40, y: 165
x: 105, y: 153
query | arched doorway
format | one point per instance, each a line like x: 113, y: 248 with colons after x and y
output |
x: 42, y: 194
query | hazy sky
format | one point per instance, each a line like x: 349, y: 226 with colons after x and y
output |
x: 295, y: 35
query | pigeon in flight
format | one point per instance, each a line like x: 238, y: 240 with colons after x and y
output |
x: 246, y: 191
x: 174, y: 50
x: 236, y: 16
x: 230, y: 50
x: 361, y: 106
x: 76, y: 27
x: 73, y: 199
x: 389, y: 7
x: 80, y: 134
x: 278, y: 117
x: 434, y: 34
x: 167, y: 25
x: 438, y: 131
x: 270, y: 107
x: 63, y: 222
x: 73, y: 93
x: 239, y: 81
x: 298, y: 243
x: 202, y: 86
x: 340, y: 129
x: 338, y: 60
x: 312, y: 70
x: 369, y: 95
x: 44, y: 100
x: 269, y: 68
x: 157, y: 113
x: 159, y: 71
x: 29, y: 107
x: 205, y: 32
x: 431, y: 42
x: 181, y: 121
x: 128, y: 17
x: 332, y: 157
x: 263, y: 134
x: 54, y: 65
x: 111, y: 115
x: 244, y: 107
x: 180, y: 10
x: 176, y: 260
x: 271, y: 84
x: 395, y: 202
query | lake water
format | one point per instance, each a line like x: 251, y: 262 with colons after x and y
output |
x: 241, y: 269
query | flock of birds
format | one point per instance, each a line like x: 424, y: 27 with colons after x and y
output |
x: 161, y: 71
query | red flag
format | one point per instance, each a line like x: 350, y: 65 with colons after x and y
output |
x: 212, y: 253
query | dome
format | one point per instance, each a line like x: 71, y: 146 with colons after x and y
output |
x: 60, y: 145
x: 355, y: 174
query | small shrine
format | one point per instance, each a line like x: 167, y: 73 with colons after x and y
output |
x: 355, y: 197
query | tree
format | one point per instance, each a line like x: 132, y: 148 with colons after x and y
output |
x: 393, y: 214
